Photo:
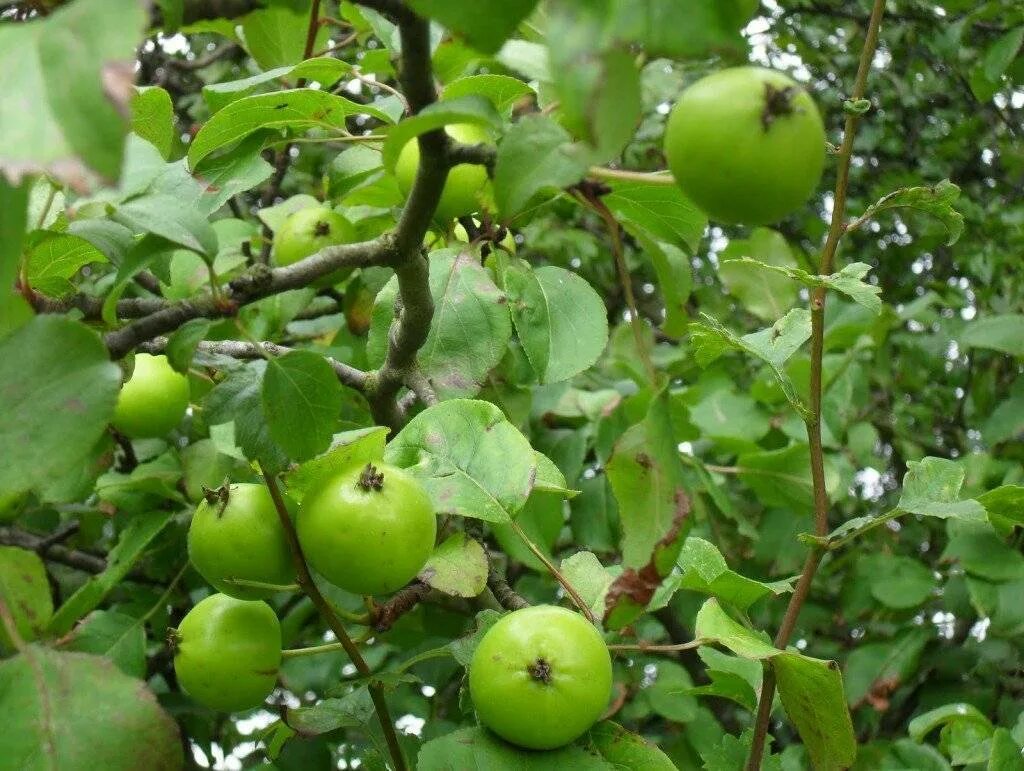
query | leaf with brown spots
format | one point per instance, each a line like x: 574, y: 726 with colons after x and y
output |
x: 631, y: 592
x: 75, y: 710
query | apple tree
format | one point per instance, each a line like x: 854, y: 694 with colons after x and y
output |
x: 526, y: 384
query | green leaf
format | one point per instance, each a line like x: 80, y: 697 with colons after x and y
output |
x: 56, y: 259
x: 151, y: 250
x: 473, y: 109
x: 182, y: 344
x: 897, y: 581
x: 462, y: 649
x: 981, y: 552
x: 1003, y: 333
x: 1006, y: 502
x: 457, y: 567
x: 297, y: 109
x: 705, y: 570
x: 1006, y: 421
x: 302, y: 401
x: 135, y: 537
x: 657, y: 212
x: 627, y: 751
x: 477, y: 748
x: 1006, y: 755
x: 472, y: 461
x: 589, y: 577
x: 501, y: 90
x: 176, y: 220
x: 694, y: 30
x: 238, y: 398
x: 541, y: 519
x: 669, y: 695
x: 936, y: 201
x: 763, y: 293
x: 725, y: 415
x: 594, y: 77
x: 14, y: 202
x: 931, y: 488
x: 55, y: 115
x: 561, y: 321
x: 325, y: 70
x: 58, y: 387
x: 75, y: 710
x: 888, y: 663
x: 675, y: 280
x: 485, y: 24
x: 1000, y: 54
x: 714, y: 624
x: 780, y: 477
x: 348, y: 449
x: 119, y: 637
x: 25, y: 593
x: 811, y: 690
x: 727, y: 685
x: 647, y: 478
x: 276, y: 35
x: 965, y: 735
x: 535, y: 156
x: 848, y: 281
x: 352, y: 710
x: 469, y: 332
x: 153, y: 118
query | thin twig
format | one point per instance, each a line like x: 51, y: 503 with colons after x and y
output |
x: 503, y: 593
x: 239, y: 349
x: 291, y: 653
x: 569, y: 588
x: 203, y: 61
x: 284, y: 155
x: 309, y: 586
x: 624, y: 175
x: 646, y: 647
x: 635, y: 321
x: 835, y: 232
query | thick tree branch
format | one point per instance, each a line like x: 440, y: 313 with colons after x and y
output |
x: 383, y: 617
x: 50, y: 550
x: 480, y: 155
x: 416, y: 307
x: 505, y: 595
x: 92, y: 307
x: 260, y: 282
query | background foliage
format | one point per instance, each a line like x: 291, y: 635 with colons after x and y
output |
x: 150, y: 192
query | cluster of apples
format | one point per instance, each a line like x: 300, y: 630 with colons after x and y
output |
x: 747, y: 145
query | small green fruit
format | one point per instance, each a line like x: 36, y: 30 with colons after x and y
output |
x: 306, y: 232
x: 236, y: 534
x: 228, y: 652
x: 466, y: 183
x: 369, y: 530
x: 746, y: 144
x: 154, y: 399
x: 541, y: 677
